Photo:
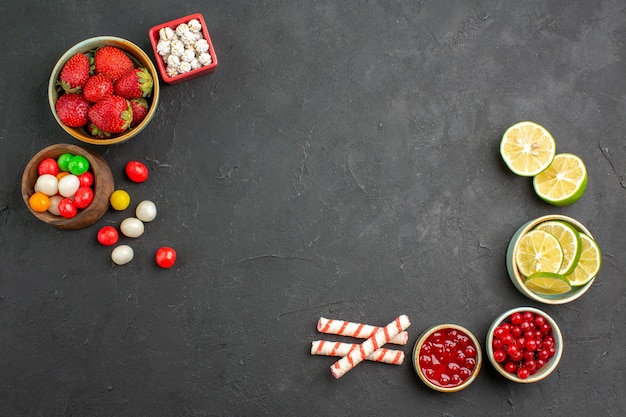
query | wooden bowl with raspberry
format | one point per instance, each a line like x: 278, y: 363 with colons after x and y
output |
x: 104, y: 90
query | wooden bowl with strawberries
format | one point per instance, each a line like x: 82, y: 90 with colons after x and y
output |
x: 103, y: 90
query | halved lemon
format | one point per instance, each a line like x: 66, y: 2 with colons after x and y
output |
x: 589, y: 263
x: 547, y: 283
x: 563, y: 182
x: 570, y: 241
x: 527, y: 148
x: 538, y: 251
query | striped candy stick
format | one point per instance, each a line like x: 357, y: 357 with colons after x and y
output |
x: 384, y: 355
x: 358, y: 330
x: 358, y: 355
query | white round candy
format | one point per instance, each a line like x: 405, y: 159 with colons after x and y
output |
x: 122, y: 254
x: 146, y: 211
x: 132, y: 227
x: 68, y: 185
x: 47, y: 184
x: 54, y: 205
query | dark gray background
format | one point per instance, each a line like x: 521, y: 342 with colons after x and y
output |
x: 341, y: 162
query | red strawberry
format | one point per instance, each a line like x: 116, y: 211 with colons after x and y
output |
x: 140, y: 108
x: 111, y: 114
x: 112, y: 62
x: 74, y: 73
x: 135, y: 84
x: 97, y: 87
x: 72, y: 109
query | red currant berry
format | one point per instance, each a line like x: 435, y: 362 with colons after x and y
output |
x: 518, y: 356
x: 540, y: 363
x: 516, y: 331
x: 547, y: 342
x: 507, y: 327
x: 516, y: 318
x: 529, y: 317
x: 531, y: 345
x: 528, y: 355
x: 543, y: 354
x: 551, y: 351
x: 520, y: 341
x: 512, y: 350
x: 499, y: 332
x: 531, y: 365
x: 497, y: 343
x: 510, y: 367
x: 499, y: 356
x: 525, y: 326
x: 539, y: 320
x: 507, y: 338
x: 522, y: 373
x: 545, y: 328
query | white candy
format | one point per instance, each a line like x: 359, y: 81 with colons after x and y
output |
x: 182, y: 29
x: 194, y: 25
x: 188, y: 55
x: 177, y: 47
x: 184, y: 67
x: 47, y: 184
x: 163, y: 47
x: 122, y: 254
x: 201, y: 46
x: 54, y: 205
x: 146, y: 211
x: 68, y: 185
x: 132, y: 227
x: 195, y: 64
x: 167, y: 34
x: 205, y: 58
x: 173, y: 61
x: 172, y: 71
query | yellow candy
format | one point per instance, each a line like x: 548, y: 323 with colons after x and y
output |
x: 120, y: 200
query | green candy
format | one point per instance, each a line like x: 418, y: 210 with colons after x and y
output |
x: 63, y: 161
x: 78, y: 165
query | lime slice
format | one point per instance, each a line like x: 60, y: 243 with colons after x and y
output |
x: 589, y: 263
x: 527, y: 148
x: 569, y: 239
x: 563, y: 182
x: 538, y: 251
x: 547, y: 283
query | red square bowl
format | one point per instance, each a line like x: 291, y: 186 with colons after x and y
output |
x: 154, y: 34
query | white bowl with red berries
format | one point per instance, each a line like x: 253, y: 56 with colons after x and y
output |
x: 103, y: 90
x: 524, y: 344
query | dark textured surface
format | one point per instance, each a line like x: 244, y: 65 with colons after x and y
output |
x: 341, y: 162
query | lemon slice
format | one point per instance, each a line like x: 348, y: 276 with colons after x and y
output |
x: 547, y: 283
x: 570, y: 242
x: 589, y: 263
x: 538, y: 251
x: 563, y: 182
x: 527, y: 148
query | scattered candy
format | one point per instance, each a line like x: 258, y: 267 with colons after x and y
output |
x: 132, y: 227
x: 108, y: 236
x: 78, y: 164
x: 83, y: 197
x: 48, y: 166
x: 119, y: 200
x: 146, y: 211
x: 68, y: 185
x: 54, y: 205
x: 165, y: 257
x: 122, y: 254
x: 39, y: 202
x: 384, y: 355
x: 67, y: 208
x: 47, y: 184
x: 380, y: 338
x: 358, y: 330
x: 136, y: 171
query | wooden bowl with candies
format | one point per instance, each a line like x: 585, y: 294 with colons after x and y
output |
x: 67, y: 186
x: 447, y: 357
x: 524, y: 344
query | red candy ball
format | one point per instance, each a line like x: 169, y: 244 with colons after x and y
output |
x: 86, y: 179
x: 48, y: 166
x: 166, y: 257
x: 67, y: 208
x: 83, y: 197
x: 108, y: 236
x: 136, y: 171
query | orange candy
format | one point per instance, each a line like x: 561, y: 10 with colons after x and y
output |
x: 39, y: 202
x: 62, y: 174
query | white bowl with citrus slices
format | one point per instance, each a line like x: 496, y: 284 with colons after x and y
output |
x: 553, y: 259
